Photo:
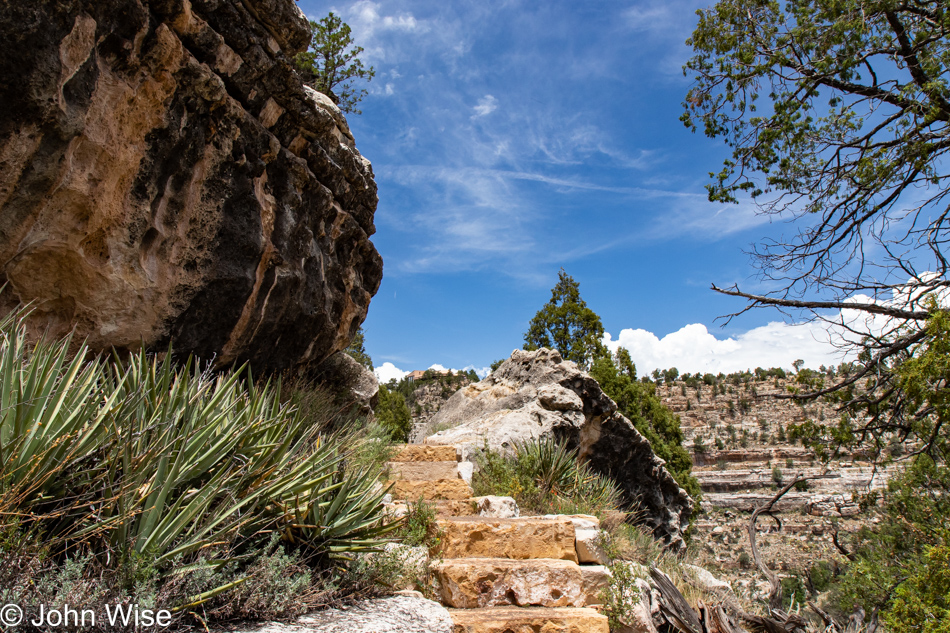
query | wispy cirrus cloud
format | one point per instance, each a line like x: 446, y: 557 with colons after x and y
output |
x: 485, y: 106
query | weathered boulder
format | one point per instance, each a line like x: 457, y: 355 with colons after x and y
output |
x: 165, y: 177
x: 537, y: 394
x: 496, y: 507
x: 352, y: 382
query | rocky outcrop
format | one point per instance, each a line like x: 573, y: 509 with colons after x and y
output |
x: 166, y: 178
x: 537, y: 394
x: 353, y: 383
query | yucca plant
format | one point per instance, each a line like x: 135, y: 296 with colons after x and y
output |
x: 51, y: 405
x: 147, y: 459
x: 553, y: 466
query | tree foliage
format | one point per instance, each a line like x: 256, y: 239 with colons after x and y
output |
x: 393, y: 413
x: 638, y: 402
x: 357, y: 350
x: 566, y: 324
x: 896, y: 568
x: 331, y: 64
x: 838, y: 116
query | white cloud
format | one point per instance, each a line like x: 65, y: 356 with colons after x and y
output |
x: 486, y: 105
x: 366, y: 15
x: 481, y: 372
x: 387, y: 372
x: 827, y: 341
x: 693, y: 348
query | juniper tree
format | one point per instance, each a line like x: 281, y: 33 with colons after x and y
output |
x: 837, y: 113
x: 566, y: 324
x: 331, y: 64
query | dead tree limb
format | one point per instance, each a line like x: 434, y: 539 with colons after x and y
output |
x: 841, y: 548
x: 673, y: 605
x: 775, y: 594
x: 824, y: 615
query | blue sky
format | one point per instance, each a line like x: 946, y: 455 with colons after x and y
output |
x: 510, y: 139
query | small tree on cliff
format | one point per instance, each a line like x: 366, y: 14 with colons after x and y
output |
x: 331, y: 63
x: 566, y: 324
x: 357, y: 350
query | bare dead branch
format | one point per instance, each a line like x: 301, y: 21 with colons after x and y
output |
x: 775, y: 594
x: 871, y: 308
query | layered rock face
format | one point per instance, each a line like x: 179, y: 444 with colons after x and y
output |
x: 537, y: 394
x: 166, y: 178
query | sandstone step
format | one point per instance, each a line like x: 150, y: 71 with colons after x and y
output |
x: 525, y: 537
x: 424, y: 471
x: 528, y: 620
x: 425, y: 453
x: 431, y: 490
x: 470, y: 583
x: 443, y: 509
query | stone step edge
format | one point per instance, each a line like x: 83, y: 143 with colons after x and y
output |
x: 430, y: 471
x: 528, y: 620
x: 425, y: 453
x: 430, y: 489
x: 577, y: 585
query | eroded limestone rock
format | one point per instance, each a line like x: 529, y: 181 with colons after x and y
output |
x: 537, y: 394
x: 400, y: 614
x: 496, y: 507
x: 166, y: 178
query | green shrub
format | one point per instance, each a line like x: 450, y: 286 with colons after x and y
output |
x: 393, y: 414
x: 897, y: 562
x: 419, y: 526
x: 821, y: 575
x: 620, y: 594
x: 777, y: 476
x: 793, y: 592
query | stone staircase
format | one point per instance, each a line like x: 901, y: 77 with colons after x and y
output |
x: 502, y: 573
